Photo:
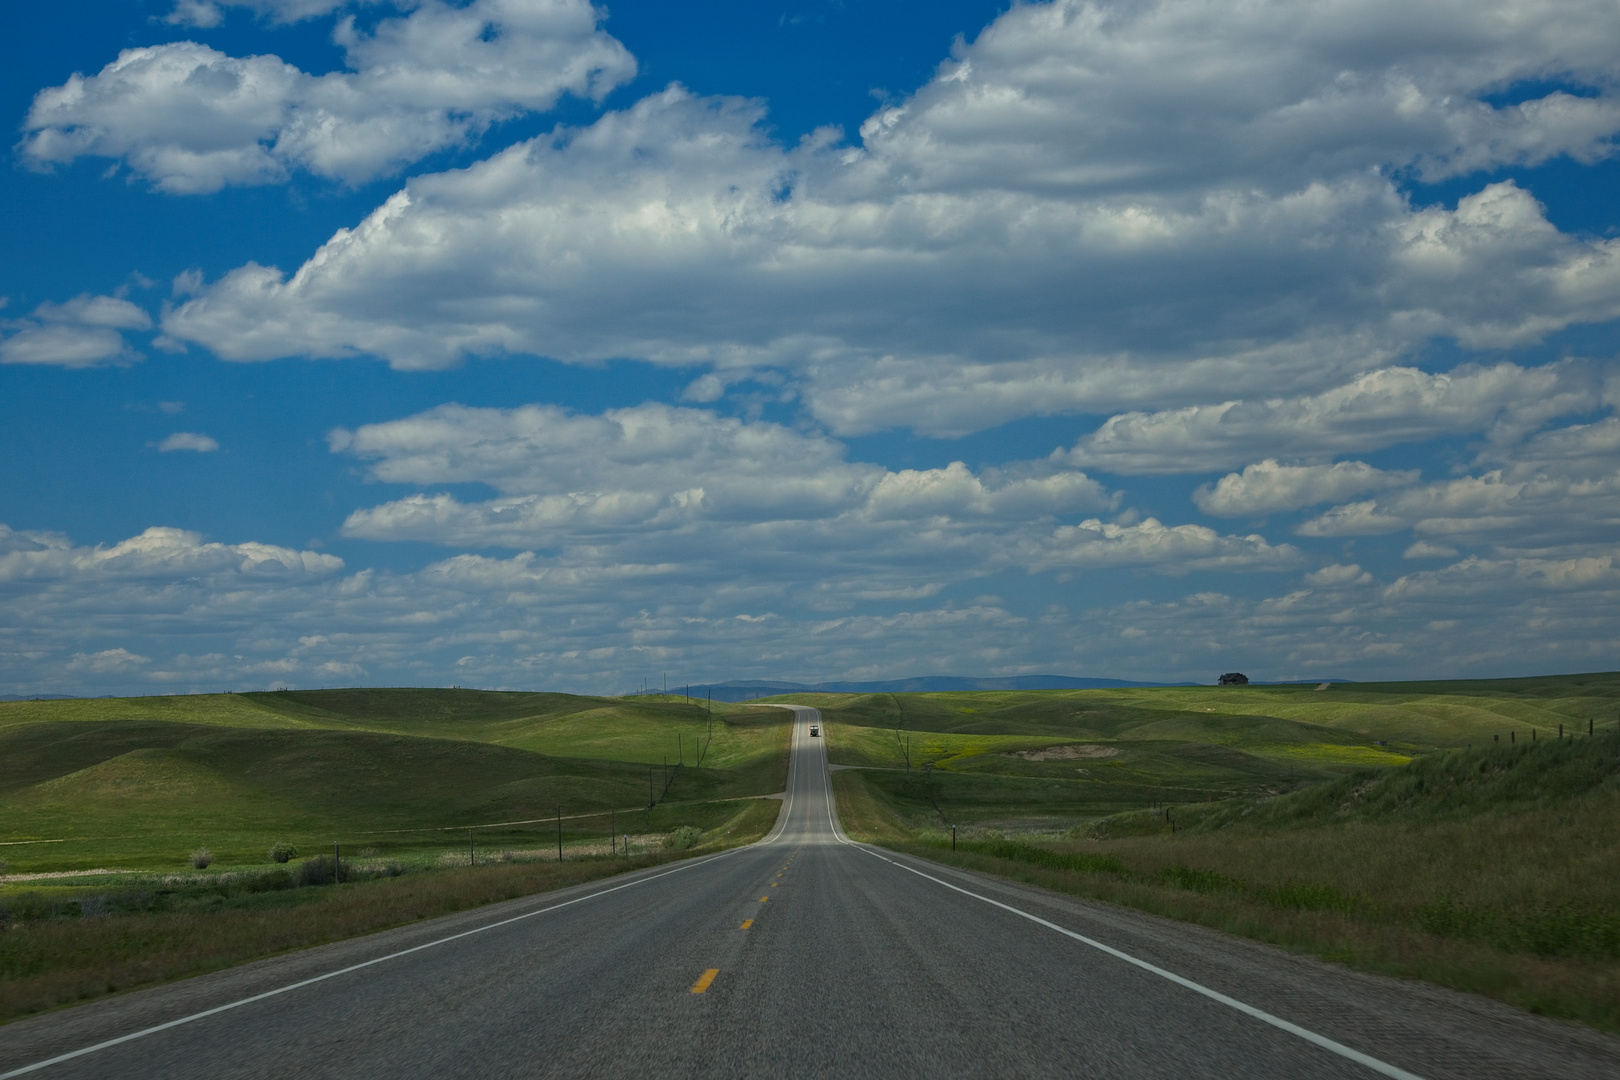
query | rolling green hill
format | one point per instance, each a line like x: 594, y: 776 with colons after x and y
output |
x: 1054, y: 758
x: 138, y: 783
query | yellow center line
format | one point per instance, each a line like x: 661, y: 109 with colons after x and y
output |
x: 747, y: 923
x: 704, y: 980
x: 763, y: 899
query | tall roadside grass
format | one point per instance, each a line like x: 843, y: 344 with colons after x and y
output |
x: 1494, y: 870
x: 49, y: 962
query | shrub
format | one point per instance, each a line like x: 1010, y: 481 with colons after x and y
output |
x: 202, y: 858
x: 269, y: 881
x: 281, y: 852
x: 683, y: 837
x: 322, y: 870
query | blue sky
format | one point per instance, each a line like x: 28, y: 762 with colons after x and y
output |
x: 521, y: 343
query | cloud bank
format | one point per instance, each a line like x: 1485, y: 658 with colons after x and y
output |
x: 1046, y: 226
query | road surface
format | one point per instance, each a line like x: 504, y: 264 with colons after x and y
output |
x: 801, y: 956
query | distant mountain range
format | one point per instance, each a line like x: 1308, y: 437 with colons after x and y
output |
x: 742, y: 690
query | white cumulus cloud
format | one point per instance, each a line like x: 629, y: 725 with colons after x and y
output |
x: 1379, y: 409
x: 207, y: 13
x: 1173, y: 549
x: 189, y: 440
x: 106, y: 661
x: 1339, y: 575
x: 191, y: 119
x: 656, y: 485
x: 1266, y: 486
x: 83, y: 332
x: 1556, y: 494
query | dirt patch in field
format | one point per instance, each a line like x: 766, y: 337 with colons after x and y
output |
x: 1067, y: 752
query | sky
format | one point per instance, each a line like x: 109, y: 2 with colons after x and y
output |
x: 536, y: 344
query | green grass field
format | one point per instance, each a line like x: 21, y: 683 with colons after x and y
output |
x: 1051, y: 760
x: 136, y: 784
x: 1413, y: 829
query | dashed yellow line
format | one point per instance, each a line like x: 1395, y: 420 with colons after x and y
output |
x: 702, y: 985
x: 763, y: 899
x: 747, y: 923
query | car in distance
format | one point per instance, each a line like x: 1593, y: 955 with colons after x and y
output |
x: 815, y: 731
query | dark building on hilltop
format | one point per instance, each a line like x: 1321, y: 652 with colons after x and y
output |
x: 1234, y: 678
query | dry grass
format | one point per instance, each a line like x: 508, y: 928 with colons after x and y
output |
x: 51, y: 963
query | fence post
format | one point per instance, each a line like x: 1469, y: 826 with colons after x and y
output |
x: 472, y: 857
x: 953, y: 837
x: 559, y: 834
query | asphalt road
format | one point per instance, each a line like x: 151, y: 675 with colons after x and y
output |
x: 803, y: 955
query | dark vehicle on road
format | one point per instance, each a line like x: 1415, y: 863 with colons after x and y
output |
x: 815, y: 731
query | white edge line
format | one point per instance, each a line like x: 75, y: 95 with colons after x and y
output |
x: 81, y: 1052
x: 1307, y: 1034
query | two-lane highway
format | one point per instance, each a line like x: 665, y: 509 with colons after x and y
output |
x: 802, y: 955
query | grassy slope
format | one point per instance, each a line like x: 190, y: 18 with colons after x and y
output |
x: 1490, y: 869
x: 141, y: 782
x: 1175, y: 744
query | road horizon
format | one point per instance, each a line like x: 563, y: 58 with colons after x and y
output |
x: 804, y: 954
